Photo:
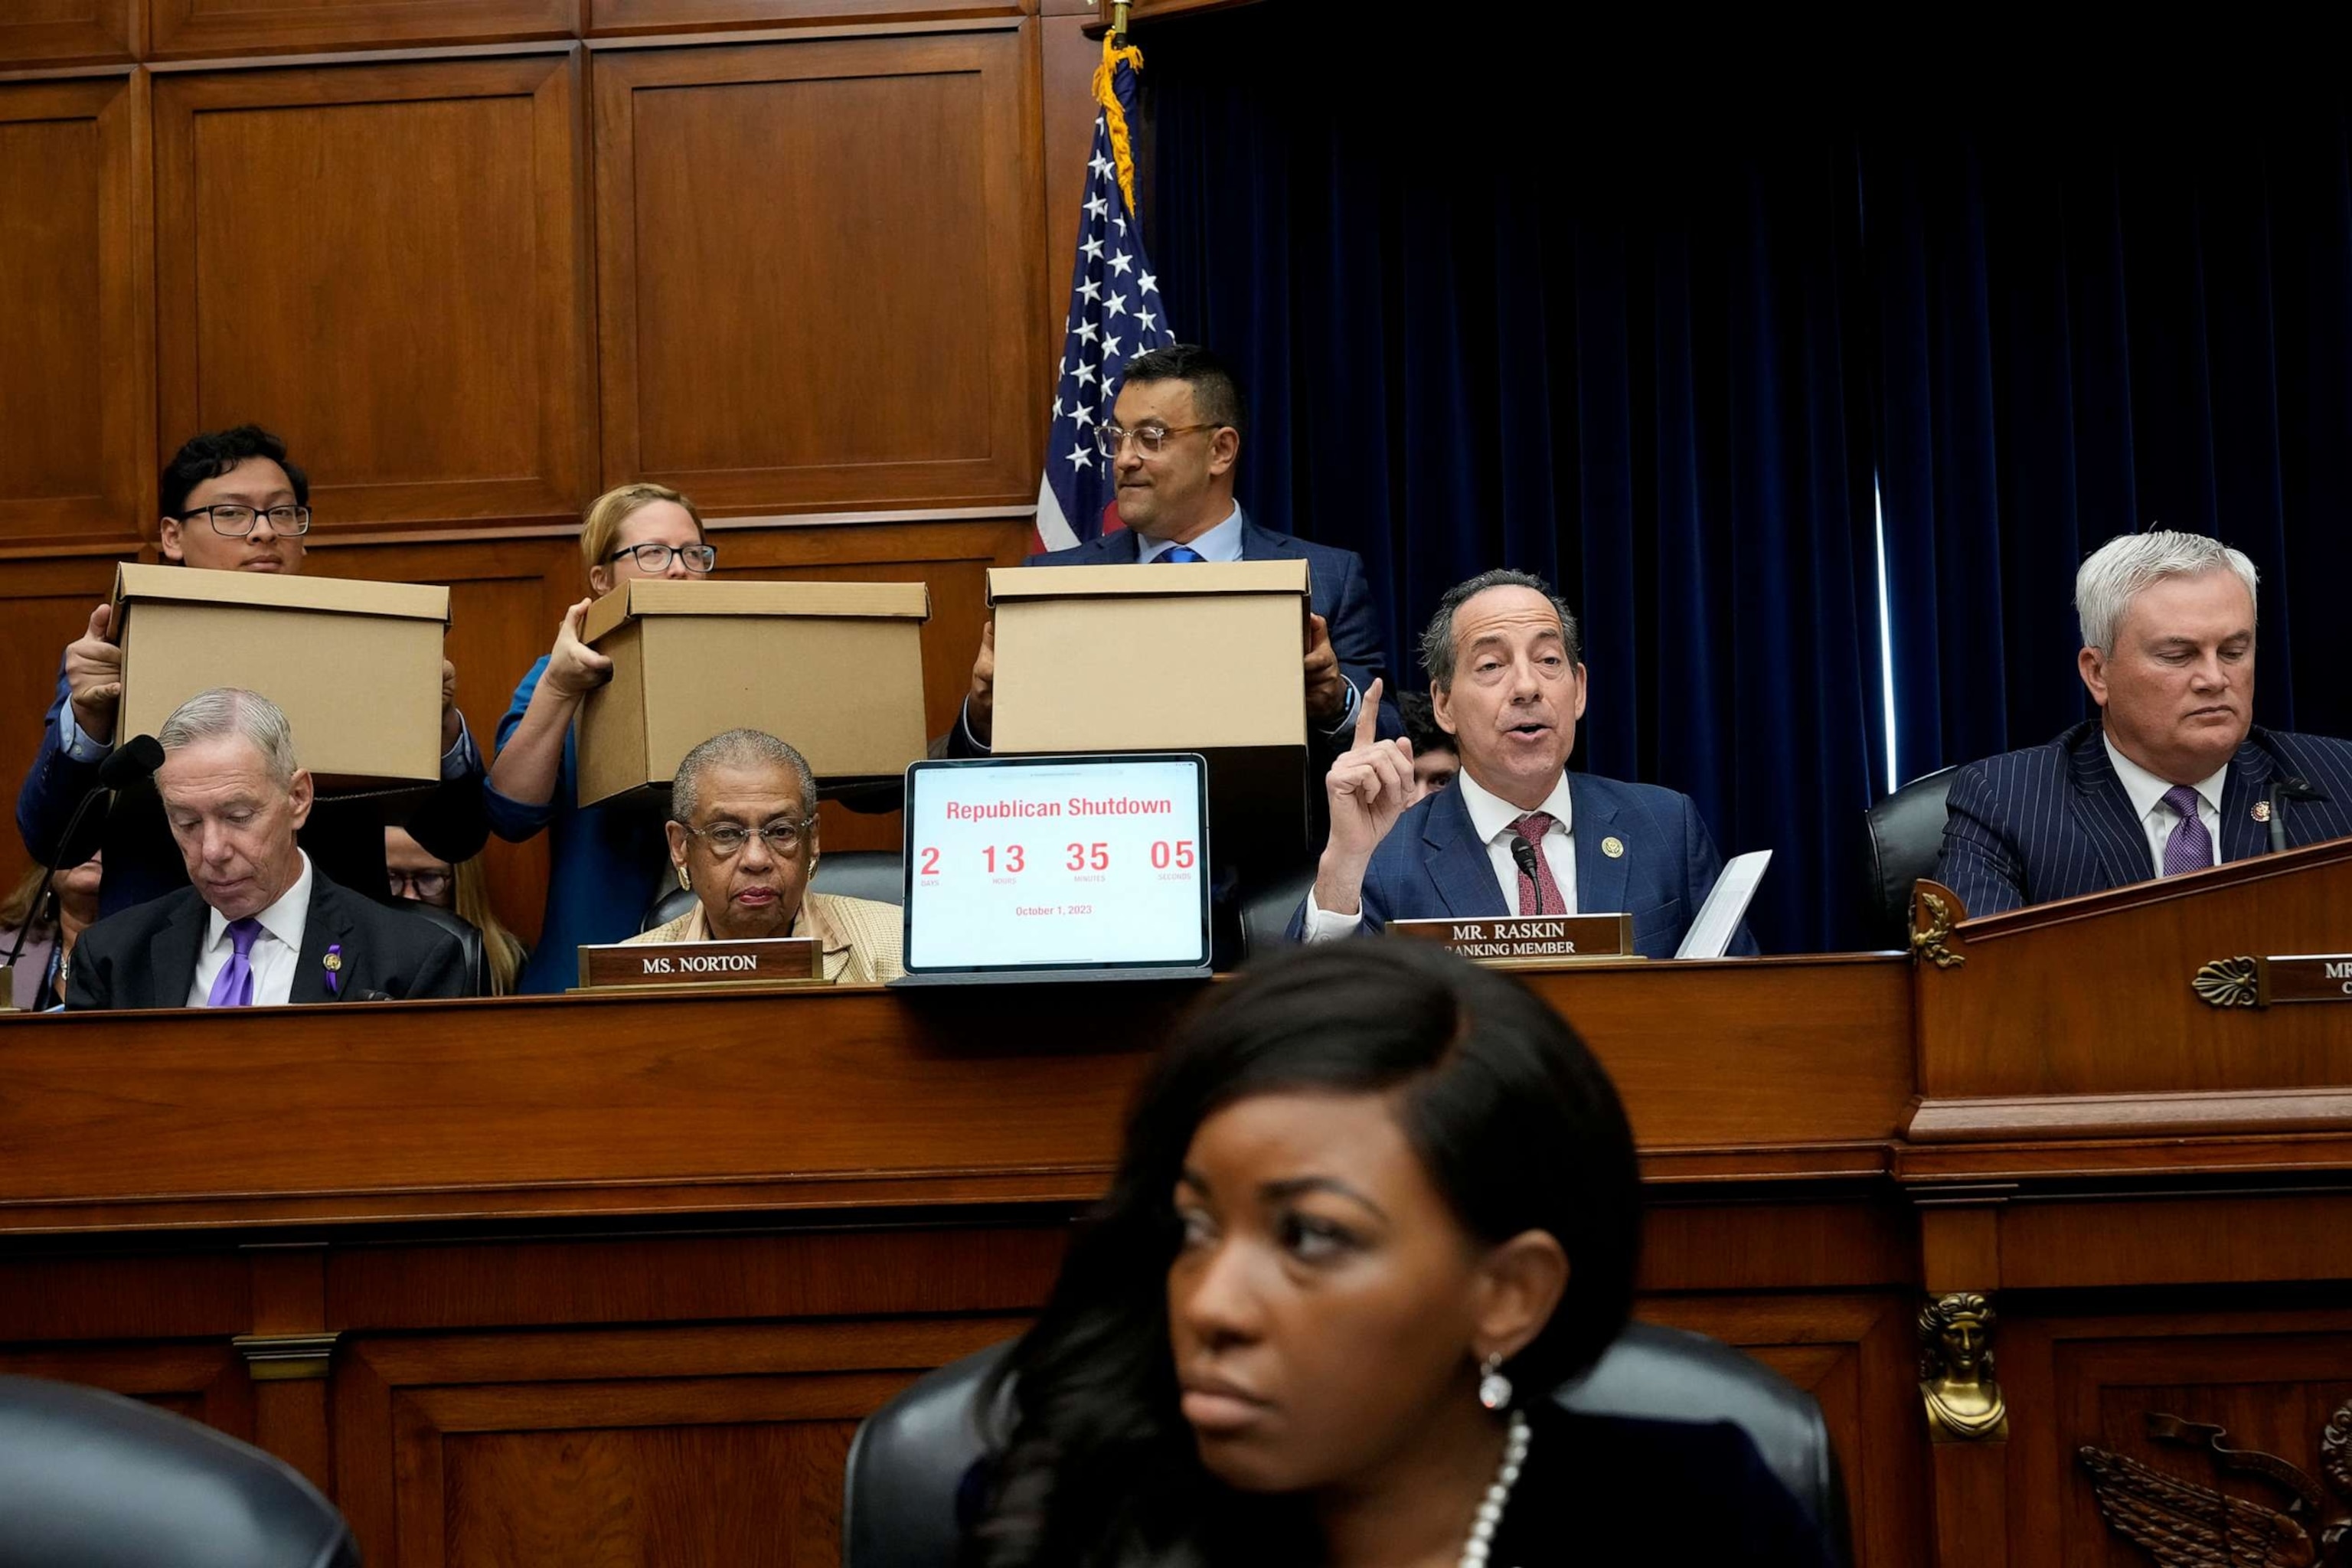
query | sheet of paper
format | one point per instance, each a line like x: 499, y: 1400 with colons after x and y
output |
x: 1710, y: 933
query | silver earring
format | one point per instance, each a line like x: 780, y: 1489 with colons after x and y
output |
x: 1494, y: 1388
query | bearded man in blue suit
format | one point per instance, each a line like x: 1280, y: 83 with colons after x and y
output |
x: 1516, y: 832
x: 1173, y: 440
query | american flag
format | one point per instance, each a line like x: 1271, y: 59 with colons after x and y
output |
x: 1115, y: 314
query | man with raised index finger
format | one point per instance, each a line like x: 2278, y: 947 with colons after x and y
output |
x: 1516, y: 832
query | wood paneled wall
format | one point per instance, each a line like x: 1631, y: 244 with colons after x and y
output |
x: 478, y: 260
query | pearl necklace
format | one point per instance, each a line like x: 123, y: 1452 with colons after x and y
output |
x: 1490, y: 1508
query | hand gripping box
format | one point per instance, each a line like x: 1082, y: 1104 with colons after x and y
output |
x: 833, y: 669
x: 356, y: 666
x: 1206, y: 657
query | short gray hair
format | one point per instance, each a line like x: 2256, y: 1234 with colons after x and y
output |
x: 735, y: 749
x: 2119, y: 570
x: 1437, y: 642
x: 234, y: 711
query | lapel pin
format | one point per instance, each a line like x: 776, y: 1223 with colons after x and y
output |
x: 2262, y: 811
x: 1613, y: 847
x: 333, y: 965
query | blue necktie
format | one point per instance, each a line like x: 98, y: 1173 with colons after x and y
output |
x: 1181, y: 553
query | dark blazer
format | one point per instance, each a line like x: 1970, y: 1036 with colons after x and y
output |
x: 344, y: 837
x: 1433, y: 864
x: 1342, y: 597
x: 2053, y: 822
x: 1666, y: 1494
x: 146, y: 957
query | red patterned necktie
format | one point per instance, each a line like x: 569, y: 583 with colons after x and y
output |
x: 1538, y: 895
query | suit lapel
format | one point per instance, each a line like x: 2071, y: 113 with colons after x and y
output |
x: 1259, y: 544
x: 2104, y: 813
x: 1600, y: 876
x: 172, y: 957
x: 1119, y: 548
x: 2247, y: 781
x: 327, y: 924
x: 1454, y: 858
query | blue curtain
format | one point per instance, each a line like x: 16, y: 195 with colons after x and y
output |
x: 2092, y: 323
x: 1638, y: 369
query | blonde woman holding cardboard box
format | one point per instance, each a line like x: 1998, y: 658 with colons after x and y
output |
x: 604, y: 860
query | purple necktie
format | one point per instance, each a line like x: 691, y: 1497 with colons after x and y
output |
x: 235, y: 986
x: 2190, y: 847
x: 1538, y: 895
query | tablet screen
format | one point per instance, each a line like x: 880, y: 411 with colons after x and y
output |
x: 1056, y: 862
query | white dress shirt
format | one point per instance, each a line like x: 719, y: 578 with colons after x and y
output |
x: 1491, y: 817
x: 276, y: 950
x: 2157, y: 819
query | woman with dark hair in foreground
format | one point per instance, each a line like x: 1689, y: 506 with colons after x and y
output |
x: 1375, y: 1205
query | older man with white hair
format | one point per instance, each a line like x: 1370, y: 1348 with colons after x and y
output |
x: 258, y: 925
x: 2173, y: 775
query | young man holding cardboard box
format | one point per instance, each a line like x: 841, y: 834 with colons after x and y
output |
x: 1173, y: 441
x: 231, y: 502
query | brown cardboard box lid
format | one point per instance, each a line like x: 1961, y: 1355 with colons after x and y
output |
x: 135, y: 582
x: 1214, y: 577
x: 661, y: 596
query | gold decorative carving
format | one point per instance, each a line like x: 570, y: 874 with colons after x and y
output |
x: 2178, y: 1522
x: 2230, y: 982
x: 285, y: 1358
x: 1927, y: 941
x: 1963, y: 1400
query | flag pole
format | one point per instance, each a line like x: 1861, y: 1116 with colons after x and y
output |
x: 1118, y: 23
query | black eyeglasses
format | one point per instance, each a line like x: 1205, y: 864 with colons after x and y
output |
x: 423, y: 886
x: 657, y: 557
x: 237, y: 521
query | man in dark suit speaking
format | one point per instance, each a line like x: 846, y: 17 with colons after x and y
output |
x: 1516, y: 832
x: 1172, y: 440
x: 258, y: 925
x: 2172, y: 777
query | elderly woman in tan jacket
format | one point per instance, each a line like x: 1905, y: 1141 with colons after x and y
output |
x: 742, y: 834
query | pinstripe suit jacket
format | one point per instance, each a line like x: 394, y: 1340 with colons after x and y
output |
x: 2053, y: 822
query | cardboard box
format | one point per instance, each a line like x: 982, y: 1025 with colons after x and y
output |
x: 833, y: 668
x: 356, y: 666
x: 1121, y: 658
x: 1208, y: 657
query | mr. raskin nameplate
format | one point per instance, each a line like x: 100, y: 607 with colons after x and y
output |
x: 1528, y: 938
x: 768, y: 960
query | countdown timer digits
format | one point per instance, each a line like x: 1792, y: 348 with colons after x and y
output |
x: 1056, y: 862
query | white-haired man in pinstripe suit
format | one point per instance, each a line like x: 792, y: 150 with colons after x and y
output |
x: 2173, y: 775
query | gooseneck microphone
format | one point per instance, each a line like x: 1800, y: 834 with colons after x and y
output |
x: 2282, y: 791
x: 135, y: 759
x: 1530, y: 868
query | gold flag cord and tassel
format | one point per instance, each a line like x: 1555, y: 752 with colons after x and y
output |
x: 1116, y: 51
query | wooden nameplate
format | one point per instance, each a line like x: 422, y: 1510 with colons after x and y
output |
x: 1525, y: 940
x: 696, y: 966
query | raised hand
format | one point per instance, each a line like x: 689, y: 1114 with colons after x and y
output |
x: 1327, y: 688
x: 980, y: 703
x: 94, y: 676
x: 1368, y: 788
x: 574, y: 668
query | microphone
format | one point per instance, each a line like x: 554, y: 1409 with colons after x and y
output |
x: 135, y: 759
x: 1529, y: 867
x: 2282, y: 791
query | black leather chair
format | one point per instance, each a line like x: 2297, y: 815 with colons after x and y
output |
x: 1907, y: 839
x: 1267, y: 909
x: 469, y: 940
x: 899, y: 1500
x: 90, y: 1480
x: 877, y: 874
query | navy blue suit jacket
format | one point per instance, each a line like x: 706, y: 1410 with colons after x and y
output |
x: 1342, y: 597
x: 1434, y: 865
x: 344, y: 836
x: 2053, y: 822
